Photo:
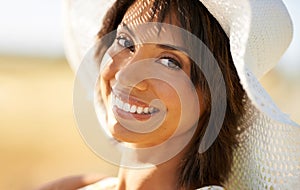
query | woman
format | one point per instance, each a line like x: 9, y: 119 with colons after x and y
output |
x: 165, y: 110
x: 188, y: 169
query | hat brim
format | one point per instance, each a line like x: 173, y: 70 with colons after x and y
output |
x: 269, y: 134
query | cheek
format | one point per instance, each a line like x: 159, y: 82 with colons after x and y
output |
x: 167, y: 94
x: 109, y: 68
x: 104, y: 89
x: 184, y: 103
x: 181, y: 101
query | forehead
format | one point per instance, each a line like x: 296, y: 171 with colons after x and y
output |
x: 153, y: 21
x: 140, y: 12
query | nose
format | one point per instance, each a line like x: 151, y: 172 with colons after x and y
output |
x: 128, y: 76
x: 127, y: 70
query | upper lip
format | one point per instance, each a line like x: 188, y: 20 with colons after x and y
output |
x: 126, y: 96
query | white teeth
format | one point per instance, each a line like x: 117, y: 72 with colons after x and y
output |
x: 131, y: 108
x: 126, y: 107
x: 146, y: 109
x: 139, y: 110
x: 119, y: 103
x: 151, y: 109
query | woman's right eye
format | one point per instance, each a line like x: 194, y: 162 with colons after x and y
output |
x: 125, y: 42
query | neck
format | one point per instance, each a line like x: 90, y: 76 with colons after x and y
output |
x: 150, y: 168
x: 163, y: 176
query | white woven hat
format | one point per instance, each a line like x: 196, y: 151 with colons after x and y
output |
x: 259, y: 33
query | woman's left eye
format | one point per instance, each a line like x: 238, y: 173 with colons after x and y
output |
x: 169, y: 62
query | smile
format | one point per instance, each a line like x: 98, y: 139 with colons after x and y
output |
x: 133, y: 106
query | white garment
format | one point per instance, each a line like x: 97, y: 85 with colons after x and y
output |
x: 111, y: 182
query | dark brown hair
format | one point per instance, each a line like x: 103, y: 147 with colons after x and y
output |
x: 214, y: 165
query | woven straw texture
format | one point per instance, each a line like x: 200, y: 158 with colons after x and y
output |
x: 268, y: 156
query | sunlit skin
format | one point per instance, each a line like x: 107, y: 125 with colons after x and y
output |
x: 115, y: 80
x: 115, y: 77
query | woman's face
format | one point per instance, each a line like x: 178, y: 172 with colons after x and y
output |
x: 146, y: 86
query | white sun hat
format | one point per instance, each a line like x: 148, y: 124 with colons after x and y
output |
x: 259, y: 32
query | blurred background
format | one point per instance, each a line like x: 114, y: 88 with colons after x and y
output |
x: 39, y: 140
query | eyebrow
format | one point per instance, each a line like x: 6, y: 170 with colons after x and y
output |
x: 163, y: 46
x: 171, y: 47
x: 125, y: 26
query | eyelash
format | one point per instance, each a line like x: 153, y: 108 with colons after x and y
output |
x: 176, y: 64
x: 130, y: 45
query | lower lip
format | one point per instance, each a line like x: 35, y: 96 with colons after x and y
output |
x: 128, y: 115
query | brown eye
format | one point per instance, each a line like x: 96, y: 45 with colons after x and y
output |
x: 125, y: 42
